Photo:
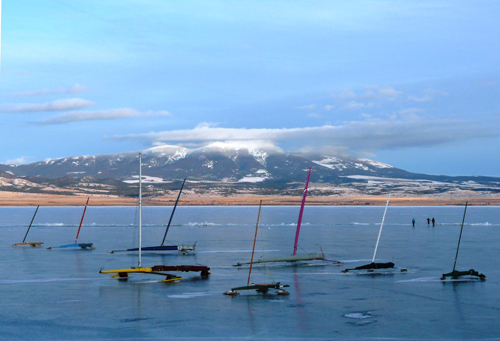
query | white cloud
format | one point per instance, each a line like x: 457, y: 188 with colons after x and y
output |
x: 19, y: 161
x: 344, y: 94
x: 365, y: 136
x: 426, y: 98
x: 328, y: 107
x: 314, y: 115
x: 429, y: 95
x: 371, y: 92
x: 307, y: 107
x: 77, y: 88
x: 488, y: 84
x: 58, y: 105
x: 111, y: 114
x: 410, y: 111
x: 353, y: 105
x: 436, y: 92
x: 382, y: 93
x: 207, y: 125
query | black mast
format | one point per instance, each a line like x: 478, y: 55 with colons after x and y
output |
x: 31, y: 223
x: 458, y: 246
x: 172, y: 215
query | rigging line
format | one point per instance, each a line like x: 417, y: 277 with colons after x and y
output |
x: 303, y: 249
x: 271, y: 277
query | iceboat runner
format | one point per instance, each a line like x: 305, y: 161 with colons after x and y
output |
x: 455, y: 275
x: 123, y: 274
x: 294, y: 257
x: 373, y: 267
x: 76, y: 244
x: 261, y: 288
x: 184, y: 249
x: 32, y: 244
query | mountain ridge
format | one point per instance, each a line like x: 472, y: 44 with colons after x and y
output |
x: 230, y: 169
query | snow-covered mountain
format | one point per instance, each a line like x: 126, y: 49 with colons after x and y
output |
x: 228, y: 169
x: 215, y: 162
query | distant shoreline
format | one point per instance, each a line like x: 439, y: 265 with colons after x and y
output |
x: 33, y: 199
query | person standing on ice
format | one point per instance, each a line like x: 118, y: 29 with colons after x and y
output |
x: 413, y: 222
x: 433, y: 221
x: 428, y: 221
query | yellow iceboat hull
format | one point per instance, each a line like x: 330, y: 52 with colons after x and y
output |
x: 32, y: 244
x: 122, y: 274
x: 131, y: 270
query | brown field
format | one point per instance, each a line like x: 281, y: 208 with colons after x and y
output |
x: 32, y: 199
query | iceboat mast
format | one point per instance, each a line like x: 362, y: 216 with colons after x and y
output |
x: 254, y: 239
x: 81, y: 221
x: 460, y: 237
x: 173, y: 211
x: 301, y: 213
x: 29, y: 227
x: 140, y: 208
x: 381, y: 226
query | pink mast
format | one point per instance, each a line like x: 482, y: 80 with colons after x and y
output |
x: 301, y: 212
x: 81, y: 221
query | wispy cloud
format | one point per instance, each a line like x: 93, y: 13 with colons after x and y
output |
x: 307, y: 107
x: 370, y: 92
x: 77, y: 88
x: 353, y: 105
x: 382, y: 92
x: 18, y: 161
x: 58, y: 105
x: 426, y: 98
x: 112, y: 114
x: 345, y: 94
x: 410, y: 112
x: 357, y: 136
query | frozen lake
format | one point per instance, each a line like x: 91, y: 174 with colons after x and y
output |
x: 59, y: 294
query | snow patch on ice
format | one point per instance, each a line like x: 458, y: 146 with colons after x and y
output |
x: 360, y: 315
x: 252, y: 179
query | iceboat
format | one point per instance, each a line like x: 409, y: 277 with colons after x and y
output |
x: 294, y: 257
x: 374, y: 268
x: 462, y: 276
x: 123, y: 274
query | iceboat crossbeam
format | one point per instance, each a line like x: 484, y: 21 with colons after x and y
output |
x: 32, y: 244
x: 184, y: 249
x: 158, y: 270
x: 85, y: 246
x: 263, y: 288
x: 455, y: 274
x: 291, y: 258
x: 204, y: 270
x: 372, y: 266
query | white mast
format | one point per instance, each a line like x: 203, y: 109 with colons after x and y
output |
x: 140, y: 207
x: 381, y: 225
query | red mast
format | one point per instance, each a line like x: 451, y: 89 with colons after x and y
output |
x: 300, y: 214
x: 81, y: 221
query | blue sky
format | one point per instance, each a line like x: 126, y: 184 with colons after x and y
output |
x: 414, y: 84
